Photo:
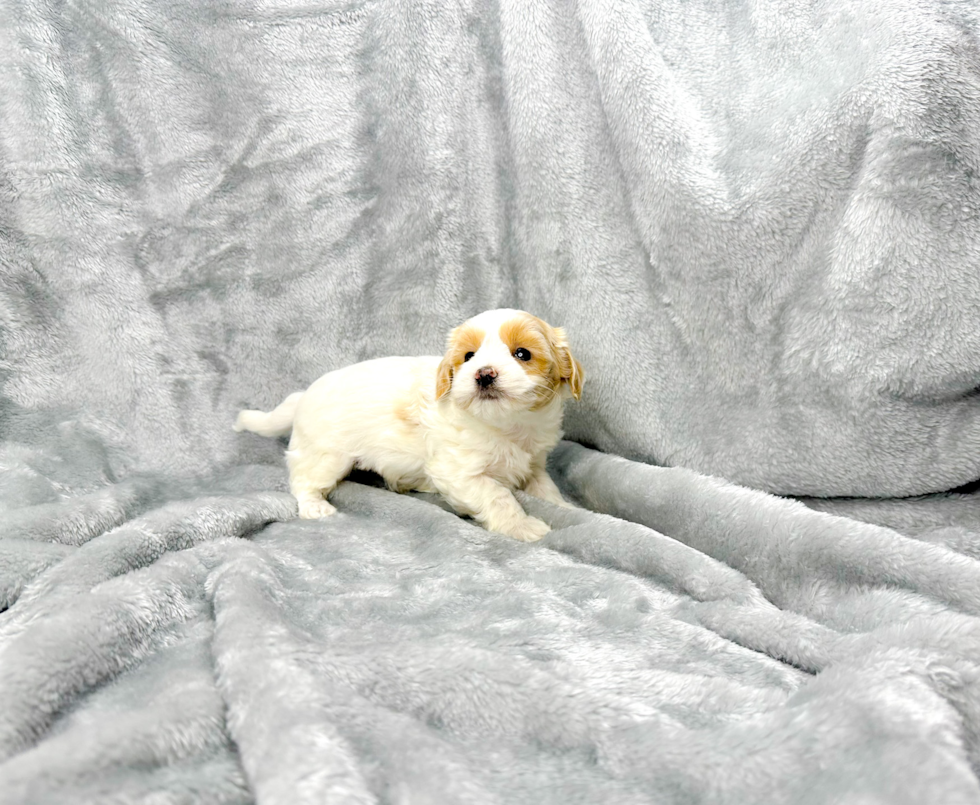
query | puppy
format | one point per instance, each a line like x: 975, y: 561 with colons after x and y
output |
x: 473, y: 425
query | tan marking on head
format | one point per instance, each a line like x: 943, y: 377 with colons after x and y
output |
x: 463, y: 339
x: 530, y: 333
x: 551, y: 360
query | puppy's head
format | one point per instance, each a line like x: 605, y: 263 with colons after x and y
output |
x: 507, y: 361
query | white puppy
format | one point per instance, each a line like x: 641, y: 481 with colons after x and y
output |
x: 474, y: 425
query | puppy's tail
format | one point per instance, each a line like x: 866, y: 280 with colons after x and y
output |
x: 277, y: 422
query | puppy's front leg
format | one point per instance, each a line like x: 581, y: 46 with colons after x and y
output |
x: 541, y: 486
x: 490, y: 503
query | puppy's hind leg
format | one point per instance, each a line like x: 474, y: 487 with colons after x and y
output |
x: 312, y: 476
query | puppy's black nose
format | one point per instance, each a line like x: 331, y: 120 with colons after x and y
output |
x: 485, y: 377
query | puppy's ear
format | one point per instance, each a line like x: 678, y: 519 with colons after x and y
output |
x: 576, y: 378
x: 444, y: 374
x: 444, y: 378
x: 569, y: 369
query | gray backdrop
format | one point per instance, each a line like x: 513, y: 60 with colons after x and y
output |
x: 760, y: 223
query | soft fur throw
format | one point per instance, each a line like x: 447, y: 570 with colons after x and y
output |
x: 759, y: 223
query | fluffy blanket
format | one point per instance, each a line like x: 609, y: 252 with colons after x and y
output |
x: 759, y: 223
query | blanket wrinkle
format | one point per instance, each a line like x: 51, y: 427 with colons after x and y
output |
x: 79, y: 519
x: 140, y: 542
x: 147, y: 734
x: 23, y: 560
x: 52, y: 657
x: 888, y: 559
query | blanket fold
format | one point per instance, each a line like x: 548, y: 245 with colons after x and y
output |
x: 655, y: 647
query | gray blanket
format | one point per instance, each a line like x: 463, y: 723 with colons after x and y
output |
x: 760, y: 225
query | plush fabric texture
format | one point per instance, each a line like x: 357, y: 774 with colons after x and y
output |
x: 681, y: 639
x: 760, y: 225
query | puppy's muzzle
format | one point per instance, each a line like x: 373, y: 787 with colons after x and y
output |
x: 486, y: 376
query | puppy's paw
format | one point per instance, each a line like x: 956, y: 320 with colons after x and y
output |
x: 530, y: 529
x: 315, y: 509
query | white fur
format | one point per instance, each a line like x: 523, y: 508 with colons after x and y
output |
x: 383, y: 415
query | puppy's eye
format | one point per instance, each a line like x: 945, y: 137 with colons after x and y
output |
x: 467, y: 356
x: 522, y: 354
